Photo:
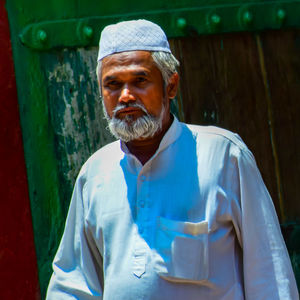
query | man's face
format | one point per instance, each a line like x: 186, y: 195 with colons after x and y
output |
x: 132, y: 87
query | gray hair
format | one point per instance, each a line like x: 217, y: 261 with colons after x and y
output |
x: 165, y: 62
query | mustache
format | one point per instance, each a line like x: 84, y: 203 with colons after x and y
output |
x: 134, y: 105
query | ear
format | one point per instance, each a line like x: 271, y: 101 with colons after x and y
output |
x: 173, y: 86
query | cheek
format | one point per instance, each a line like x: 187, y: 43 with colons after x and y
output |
x: 157, y: 100
x: 108, y: 104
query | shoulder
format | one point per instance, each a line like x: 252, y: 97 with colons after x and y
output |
x: 111, y: 151
x: 219, y: 140
x: 102, y: 161
x: 218, y: 144
x: 216, y: 134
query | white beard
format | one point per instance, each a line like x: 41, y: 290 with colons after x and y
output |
x: 128, y: 129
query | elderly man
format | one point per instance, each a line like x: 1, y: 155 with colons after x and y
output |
x: 171, y: 211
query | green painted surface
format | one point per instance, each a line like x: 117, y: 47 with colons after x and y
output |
x: 60, y: 111
x: 38, y: 146
x: 184, y: 20
x: 75, y: 112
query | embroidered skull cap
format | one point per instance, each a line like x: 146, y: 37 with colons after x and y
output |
x: 130, y: 36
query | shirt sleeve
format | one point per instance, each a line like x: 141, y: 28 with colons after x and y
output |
x: 267, y: 270
x: 77, y: 266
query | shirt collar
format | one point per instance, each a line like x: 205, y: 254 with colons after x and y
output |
x: 169, y: 138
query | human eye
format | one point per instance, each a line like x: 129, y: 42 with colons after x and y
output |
x: 140, y: 80
x: 112, y: 84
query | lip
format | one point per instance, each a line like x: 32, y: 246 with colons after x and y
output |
x: 129, y: 110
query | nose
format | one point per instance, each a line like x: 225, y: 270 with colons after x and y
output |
x: 126, y: 95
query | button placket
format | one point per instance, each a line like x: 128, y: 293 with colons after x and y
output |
x: 140, y: 250
x: 142, y: 203
x: 142, y: 191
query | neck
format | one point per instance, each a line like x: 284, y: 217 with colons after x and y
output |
x: 144, y: 149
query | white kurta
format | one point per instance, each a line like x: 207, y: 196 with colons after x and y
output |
x: 195, y: 222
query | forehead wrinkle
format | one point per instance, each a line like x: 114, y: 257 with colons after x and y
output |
x: 131, y: 58
x: 124, y: 65
x: 123, y: 57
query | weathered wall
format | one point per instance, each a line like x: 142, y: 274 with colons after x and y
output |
x: 249, y: 83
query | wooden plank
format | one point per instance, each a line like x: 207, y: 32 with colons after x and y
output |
x: 282, y: 59
x: 221, y: 84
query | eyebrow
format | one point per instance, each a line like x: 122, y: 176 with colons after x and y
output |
x: 140, y: 73
x: 107, y: 78
x: 137, y: 73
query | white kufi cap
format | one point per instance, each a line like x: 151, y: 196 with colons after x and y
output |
x: 130, y: 36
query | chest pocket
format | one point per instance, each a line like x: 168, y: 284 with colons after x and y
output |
x: 182, y: 249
